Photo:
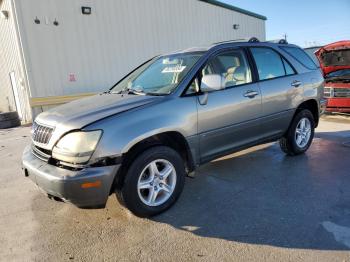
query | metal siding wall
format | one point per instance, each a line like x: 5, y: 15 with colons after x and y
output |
x: 10, y: 61
x: 100, y: 48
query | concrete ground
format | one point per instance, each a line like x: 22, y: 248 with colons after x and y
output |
x: 256, y: 205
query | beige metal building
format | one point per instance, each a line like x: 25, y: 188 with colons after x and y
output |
x: 54, y: 51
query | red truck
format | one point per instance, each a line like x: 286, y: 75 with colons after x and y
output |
x: 335, y: 64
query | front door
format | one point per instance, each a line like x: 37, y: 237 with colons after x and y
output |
x: 229, y: 118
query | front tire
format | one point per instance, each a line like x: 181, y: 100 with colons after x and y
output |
x: 153, y: 182
x: 300, y: 134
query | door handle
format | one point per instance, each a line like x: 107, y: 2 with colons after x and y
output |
x: 296, y: 83
x: 250, y: 94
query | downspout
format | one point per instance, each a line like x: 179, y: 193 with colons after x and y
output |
x: 21, y: 56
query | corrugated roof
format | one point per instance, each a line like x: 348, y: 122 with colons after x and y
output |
x: 234, y: 8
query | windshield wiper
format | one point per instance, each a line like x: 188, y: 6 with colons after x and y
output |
x: 131, y: 91
x: 136, y: 92
x: 139, y: 92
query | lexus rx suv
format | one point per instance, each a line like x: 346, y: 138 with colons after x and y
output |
x: 173, y: 113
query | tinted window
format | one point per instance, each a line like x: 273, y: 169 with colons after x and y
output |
x: 268, y: 63
x: 301, y: 56
x: 232, y: 66
x: 287, y: 66
x: 311, y: 52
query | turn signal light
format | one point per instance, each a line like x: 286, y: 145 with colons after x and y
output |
x: 91, y: 184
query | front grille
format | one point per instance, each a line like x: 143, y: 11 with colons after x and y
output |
x: 41, y: 134
x: 341, y: 92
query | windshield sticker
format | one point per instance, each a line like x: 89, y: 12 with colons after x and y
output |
x: 173, y: 69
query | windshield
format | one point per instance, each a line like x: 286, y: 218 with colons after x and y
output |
x: 159, y: 76
x: 341, y: 74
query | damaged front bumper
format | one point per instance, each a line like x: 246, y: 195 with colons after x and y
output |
x: 85, y: 188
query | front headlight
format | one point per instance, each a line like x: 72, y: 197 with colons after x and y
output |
x: 76, y: 147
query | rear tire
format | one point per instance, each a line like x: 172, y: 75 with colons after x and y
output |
x: 153, y: 182
x: 300, y: 134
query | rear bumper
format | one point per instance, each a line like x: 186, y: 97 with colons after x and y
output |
x: 86, y: 188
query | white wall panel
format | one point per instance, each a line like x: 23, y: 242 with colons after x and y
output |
x: 10, y: 62
x: 102, y: 47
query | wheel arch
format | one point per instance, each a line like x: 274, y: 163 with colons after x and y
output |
x: 172, y: 139
x: 312, y: 106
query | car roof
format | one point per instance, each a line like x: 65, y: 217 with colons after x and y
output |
x: 232, y: 43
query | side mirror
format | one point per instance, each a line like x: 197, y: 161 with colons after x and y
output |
x: 212, y: 83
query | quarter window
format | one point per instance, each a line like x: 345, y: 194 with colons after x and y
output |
x: 301, y: 56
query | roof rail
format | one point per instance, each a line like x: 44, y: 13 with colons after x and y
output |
x: 278, y: 41
x: 231, y: 41
x: 253, y: 40
x: 250, y: 40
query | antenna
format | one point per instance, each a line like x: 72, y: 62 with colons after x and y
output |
x: 285, y: 36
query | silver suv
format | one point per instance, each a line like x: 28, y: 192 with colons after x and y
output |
x: 170, y: 115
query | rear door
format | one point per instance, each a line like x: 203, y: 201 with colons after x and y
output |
x: 281, y: 90
x: 229, y: 118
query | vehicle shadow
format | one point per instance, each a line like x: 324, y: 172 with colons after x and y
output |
x: 260, y: 196
x: 341, y: 136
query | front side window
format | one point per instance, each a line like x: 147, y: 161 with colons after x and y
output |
x: 232, y: 66
x: 301, y: 56
x: 160, y: 76
x: 268, y: 62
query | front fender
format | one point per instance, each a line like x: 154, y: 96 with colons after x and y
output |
x: 121, y: 132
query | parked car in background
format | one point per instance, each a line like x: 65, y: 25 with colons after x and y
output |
x: 170, y: 115
x: 335, y: 64
x: 311, y: 52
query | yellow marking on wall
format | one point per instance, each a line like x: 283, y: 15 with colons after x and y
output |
x: 56, y: 100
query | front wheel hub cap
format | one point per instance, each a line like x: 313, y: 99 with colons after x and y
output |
x: 156, y: 182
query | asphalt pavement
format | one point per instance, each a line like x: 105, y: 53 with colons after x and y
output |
x: 255, y: 205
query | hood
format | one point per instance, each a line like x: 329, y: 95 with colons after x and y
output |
x: 334, y: 56
x: 79, y: 113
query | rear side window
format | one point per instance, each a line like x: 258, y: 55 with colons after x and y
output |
x: 301, y: 56
x: 268, y: 62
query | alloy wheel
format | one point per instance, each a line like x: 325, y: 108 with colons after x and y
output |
x: 303, y: 132
x: 156, y: 182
